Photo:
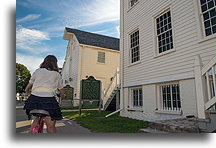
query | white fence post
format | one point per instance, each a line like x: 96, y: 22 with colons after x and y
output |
x: 199, y: 87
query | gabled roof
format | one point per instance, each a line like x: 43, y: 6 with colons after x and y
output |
x: 95, y: 39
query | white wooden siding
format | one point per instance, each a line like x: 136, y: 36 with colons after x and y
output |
x: 75, y: 50
x: 186, y: 41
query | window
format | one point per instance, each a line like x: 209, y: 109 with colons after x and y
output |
x: 164, y: 32
x: 101, y: 57
x: 137, y: 97
x: 133, y: 2
x: 134, y: 47
x: 208, y: 12
x: 211, y: 82
x: 170, y: 97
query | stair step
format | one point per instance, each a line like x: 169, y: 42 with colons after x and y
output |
x: 153, y: 131
x: 176, y: 126
x: 211, y: 111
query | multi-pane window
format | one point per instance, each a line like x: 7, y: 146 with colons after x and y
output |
x: 212, y: 89
x: 211, y: 74
x: 134, y: 47
x: 133, y: 2
x: 208, y: 12
x: 101, y: 57
x: 170, y: 97
x: 164, y: 32
x: 137, y: 97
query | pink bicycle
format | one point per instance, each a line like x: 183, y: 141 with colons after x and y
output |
x: 40, y: 125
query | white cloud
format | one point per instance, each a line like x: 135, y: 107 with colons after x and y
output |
x: 31, y: 62
x: 29, y: 17
x: 118, y: 30
x: 76, y: 13
x: 28, y: 39
x: 93, y: 13
x: 61, y: 62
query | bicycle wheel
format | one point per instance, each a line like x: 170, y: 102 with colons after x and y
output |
x: 36, y: 129
x: 39, y: 127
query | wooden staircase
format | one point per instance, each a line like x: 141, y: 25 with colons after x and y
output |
x: 208, y: 124
x: 205, y: 88
x: 110, y: 105
x: 111, y: 98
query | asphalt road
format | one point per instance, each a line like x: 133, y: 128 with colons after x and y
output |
x: 64, y: 126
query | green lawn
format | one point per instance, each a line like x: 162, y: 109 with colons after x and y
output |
x: 77, y: 107
x: 97, y: 122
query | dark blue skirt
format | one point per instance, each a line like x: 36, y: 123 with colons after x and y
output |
x: 49, y: 104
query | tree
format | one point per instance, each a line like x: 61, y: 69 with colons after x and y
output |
x: 22, y: 77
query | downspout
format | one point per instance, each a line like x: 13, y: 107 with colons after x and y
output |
x: 122, y: 106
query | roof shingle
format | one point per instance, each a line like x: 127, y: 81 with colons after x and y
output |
x: 95, y: 39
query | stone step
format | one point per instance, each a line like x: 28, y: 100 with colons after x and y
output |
x: 153, y: 131
x: 176, y: 126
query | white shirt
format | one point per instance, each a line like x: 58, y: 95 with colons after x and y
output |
x: 45, y: 82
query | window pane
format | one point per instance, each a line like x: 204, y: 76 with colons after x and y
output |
x: 213, y: 21
x: 213, y: 13
x: 178, y: 97
x: 206, y: 16
x: 133, y: 2
x: 207, y: 24
x: 157, y: 20
x: 208, y: 31
x: 202, y: 2
x: 204, y: 8
x: 213, y: 29
x: 140, y: 98
x: 174, y: 97
x: 210, y: 4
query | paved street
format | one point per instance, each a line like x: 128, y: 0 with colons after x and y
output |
x: 64, y: 126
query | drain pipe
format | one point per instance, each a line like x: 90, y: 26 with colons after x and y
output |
x: 113, y: 113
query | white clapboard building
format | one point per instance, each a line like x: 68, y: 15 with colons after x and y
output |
x: 167, y: 58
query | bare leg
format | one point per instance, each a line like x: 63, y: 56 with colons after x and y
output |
x: 50, y: 125
x: 34, y: 123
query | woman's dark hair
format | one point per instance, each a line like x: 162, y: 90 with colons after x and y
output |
x: 50, y: 63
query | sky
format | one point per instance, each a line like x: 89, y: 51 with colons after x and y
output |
x: 40, y: 26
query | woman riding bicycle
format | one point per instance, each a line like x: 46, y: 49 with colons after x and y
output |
x: 42, y: 85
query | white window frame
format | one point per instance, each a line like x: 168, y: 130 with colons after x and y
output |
x: 200, y: 24
x: 156, y: 44
x: 139, y: 106
x: 160, y: 106
x: 130, y: 49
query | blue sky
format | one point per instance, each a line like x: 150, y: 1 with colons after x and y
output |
x: 40, y: 26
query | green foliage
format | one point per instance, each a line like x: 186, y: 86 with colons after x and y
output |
x: 97, y: 122
x: 22, y: 77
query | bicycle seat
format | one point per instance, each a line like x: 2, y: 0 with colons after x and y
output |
x: 38, y: 112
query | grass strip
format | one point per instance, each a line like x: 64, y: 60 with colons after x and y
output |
x: 77, y: 107
x: 97, y: 122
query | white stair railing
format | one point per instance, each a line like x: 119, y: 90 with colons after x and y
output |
x: 208, y: 71
x: 205, y: 85
x: 112, y: 86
